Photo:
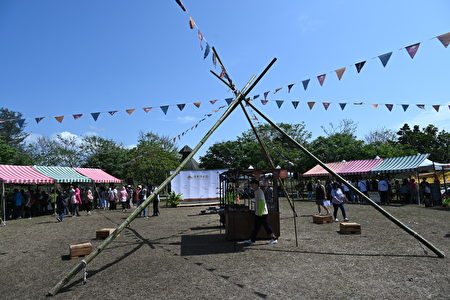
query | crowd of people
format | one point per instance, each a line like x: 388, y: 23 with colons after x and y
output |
x: 28, y: 203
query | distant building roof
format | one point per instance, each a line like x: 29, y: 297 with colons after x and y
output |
x: 192, y: 164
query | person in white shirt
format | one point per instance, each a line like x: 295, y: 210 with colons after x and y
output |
x: 362, y: 186
x: 338, y: 199
x: 383, y: 190
x: 261, y: 213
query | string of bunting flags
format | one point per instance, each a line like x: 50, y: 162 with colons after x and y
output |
x: 295, y: 104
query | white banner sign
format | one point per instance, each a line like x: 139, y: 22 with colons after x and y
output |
x: 197, y: 185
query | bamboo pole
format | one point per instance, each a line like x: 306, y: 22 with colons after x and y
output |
x: 54, y: 290
x: 3, y: 220
x: 430, y: 246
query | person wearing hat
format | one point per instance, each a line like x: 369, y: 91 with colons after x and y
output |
x: 142, y: 196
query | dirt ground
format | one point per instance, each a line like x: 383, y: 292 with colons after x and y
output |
x: 181, y: 254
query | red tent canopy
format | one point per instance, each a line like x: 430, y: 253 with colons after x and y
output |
x: 319, y: 171
x: 98, y: 175
x: 22, y: 174
x: 359, y: 166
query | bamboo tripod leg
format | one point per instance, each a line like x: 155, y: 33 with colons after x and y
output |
x: 430, y: 246
x: 53, y: 291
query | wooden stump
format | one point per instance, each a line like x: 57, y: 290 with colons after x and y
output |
x: 350, y: 227
x: 322, y: 219
x: 104, y: 233
x: 78, y: 250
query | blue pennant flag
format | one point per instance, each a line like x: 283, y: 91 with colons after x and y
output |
x: 95, y: 115
x: 181, y: 106
x: 206, y: 51
x: 384, y: 58
x: 290, y: 87
x: 255, y: 97
x: 20, y: 122
x: 165, y: 108
x: 229, y: 100
x: 279, y: 103
x: 305, y: 83
x: 295, y: 103
x: 405, y: 106
x: 359, y: 66
x: 342, y: 105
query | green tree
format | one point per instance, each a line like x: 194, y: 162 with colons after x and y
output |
x: 13, y: 156
x: 10, y: 131
x: 337, y: 147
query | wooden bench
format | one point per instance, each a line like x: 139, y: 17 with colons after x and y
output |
x: 104, y: 233
x: 318, y: 219
x: 350, y: 228
x: 79, y: 250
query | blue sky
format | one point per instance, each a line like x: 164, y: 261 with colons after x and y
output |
x: 69, y: 57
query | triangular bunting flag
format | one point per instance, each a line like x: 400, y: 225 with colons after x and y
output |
x: 77, y: 116
x: 445, y: 39
x: 214, y: 59
x: 191, y: 23
x: 39, y: 119
x: 181, y: 5
x: 165, y: 108
x: 405, y: 106
x: 279, y: 103
x: 342, y: 105
x: 295, y: 104
x: 326, y: 105
x: 220, y: 107
x: 290, y: 87
x: 357, y: 103
x: 277, y: 90
x: 200, y: 37
x: 384, y: 58
x: 412, y: 50
x: 359, y: 66
x: 389, y: 106
x: 305, y: 83
x: 375, y: 105
x: 216, y: 110
x: 174, y: 139
x: 213, y: 101
x: 197, y: 104
x: 59, y: 119
x: 255, y: 97
x: 421, y: 106
x: 130, y: 111
x: 20, y: 122
x: 264, y: 102
x: 321, y: 78
x: 340, y: 72
x: 95, y: 115
x: 255, y: 118
x: 436, y: 107
x: 229, y: 100
x: 223, y: 73
x: 147, y: 109
x: 206, y: 51
x: 112, y: 112
x: 311, y: 104
x: 265, y: 94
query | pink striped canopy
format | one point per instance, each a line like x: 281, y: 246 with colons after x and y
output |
x: 22, y: 174
x: 319, y: 171
x: 359, y: 166
x: 98, y: 175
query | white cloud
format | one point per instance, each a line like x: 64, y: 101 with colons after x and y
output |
x: 130, y: 146
x: 32, y: 137
x: 439, y: 119
x: 90, y: 133
x: 186, y: 119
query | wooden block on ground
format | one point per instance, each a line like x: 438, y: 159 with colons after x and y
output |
x: 350, y: 227
x: 322, y: 219
x: 77, y: 250
x: 104, y: 233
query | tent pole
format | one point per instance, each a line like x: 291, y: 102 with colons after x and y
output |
x: 342, y: 180
x: 418, y: 190
x: 3, y: 219
x: 54, y: 290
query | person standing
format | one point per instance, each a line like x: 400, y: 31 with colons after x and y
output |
x: 156, y: 201
x: 362, y: 186
x: 123, y: 196
x: 413, y: 190
x: 261, y: 214
x: 28, y: 204
x: 309, y: 189
x: 18, y: 203
x: 338, y: 199
x: 320, y: 197
x: 383, y: 190
x: 61, y: 205
x: 89, y: 201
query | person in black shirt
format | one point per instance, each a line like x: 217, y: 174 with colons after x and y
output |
x: 320, y: 197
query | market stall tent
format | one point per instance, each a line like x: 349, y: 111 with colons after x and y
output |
x: 319, y: 171
x: 402, y: 164
x: 358, y: 167
x: 62, y: 174
x: 97, y: 175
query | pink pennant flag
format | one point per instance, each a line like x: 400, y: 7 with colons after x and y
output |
x: 389, y: 106
x: 200, y: 37
x: 340, y: 72
x: 147, y: 109
x: 112, y: 112
x: 191, y: 23
x: 214, y: 59
x: 213, y: 101
x: 220, y: 107
x: 375, y: 105
x: 421, y: 106
x: 321, y: 78
x: 130, y: 111
x: 277, y: 90
x: 265, y: 94
x: 311, y: 104
x: 412, y: 50
x: 445, y: 39
x: 197, y: 104
x: 223, y: 73
x: 59, y: 119
x: 436, y: 107
x: 77, y: 116
x: 264, y: 101
x: 326, y: 105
